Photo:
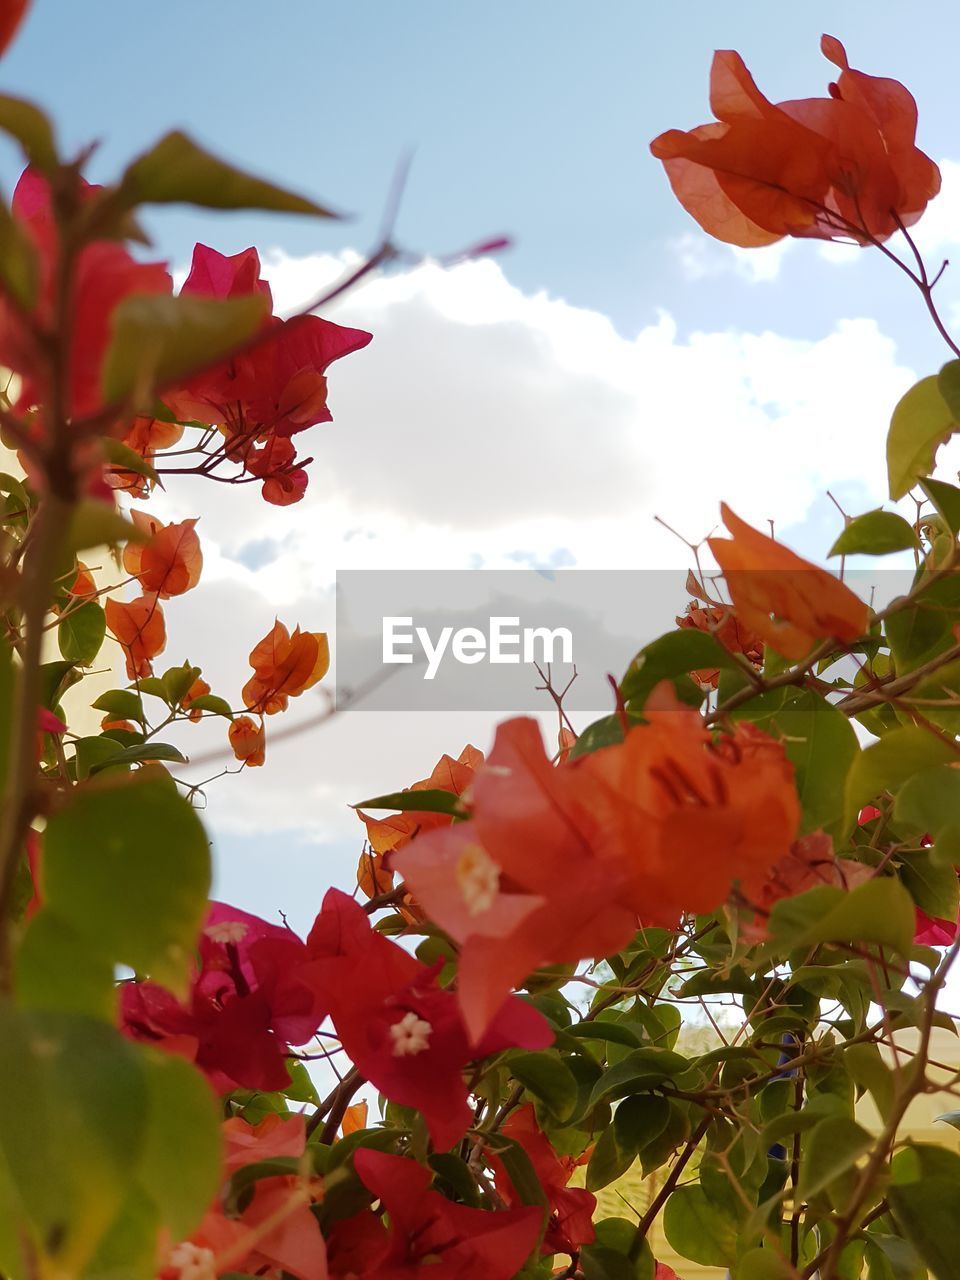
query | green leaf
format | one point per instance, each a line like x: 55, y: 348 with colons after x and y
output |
x: 880, y: 911
x: 140, y: 753
x: 80, y: 633
x: 519, y: 1169
x: 763, y: 1264
x: 176, y: 170
x: 124, y: 704
x: 699, y: 1229
x: 210, y: 702
x: 822, y: 745
x: 94, y: 754
x: 865, y: 1063
x: 96, y: 524
x: 614, y: 1255
x: 28, y: 125
x: 179, y: 1164
x: 157, y: 338
x: 675, y: 654
x: 928, y: 1212
x: 934, y: 888
x: 428, y: 801
x: 884, y: 765
x: 128, y: 865
x: 833, y: 1147
x: 602, y: 733
x: 58, y: 971
x: 124, y: 458
x: 177, y: 682
x: 19, y: 269
x: 921, y: 421
x: 929, y: 802
x: 878, y: 533
x: 608, y: 1160
x: 946, y: 499
x: 548, y: 1078
x: 639, y: 1070
x: 72, y: 1107
x: 639, y: 1121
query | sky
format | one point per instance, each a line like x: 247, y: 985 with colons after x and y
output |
x: 541, y: 408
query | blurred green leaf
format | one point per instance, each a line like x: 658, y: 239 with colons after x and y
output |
x: 128, y: 865
x: 177, y: 170
x: 158, y: 337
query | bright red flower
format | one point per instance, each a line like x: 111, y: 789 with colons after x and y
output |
x: 11, y: 15
x: 271, y: 391
x: 402, y: 1031
x: 242, y: 1013
x: 433, y: 1238
x: 105, y: 274
x: 843, y: 167
x: 571, y: 1208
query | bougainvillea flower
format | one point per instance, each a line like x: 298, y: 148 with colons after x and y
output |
x: 841, y: 167
x: 386, y: 835
x: 402, y: 1031
x: 788, y: 602
x: 146, y: 437
x: 284, y: 666
x: 933, y: 931
x: 810, y: 861
x: 571, y: 1208
x: 104, y: 275
x: 247, y: 740
x: 432, y: 1237
x: 273, y: 389
x: 170, y: 561
x: 243, y: 1012
x: 140, y: 628
x: 275, y: 1232
x: 557, y: 864
x: 83, y: 586
x: 720, y: 621
x: 396, y: 831
x: 199, y: 689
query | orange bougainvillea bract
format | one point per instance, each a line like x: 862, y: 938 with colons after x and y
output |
x: 558, y: 863
x: 169, y: 562
x: 841, y: 167
x: 284, y: 666
x: 788, y: 602
x: 139, y: 626
x: 247, y: 740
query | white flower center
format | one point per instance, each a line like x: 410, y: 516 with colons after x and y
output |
x: 411, y: 1035
x: 226, y: 931
x: 193, y: 1262
x: 479, y: 879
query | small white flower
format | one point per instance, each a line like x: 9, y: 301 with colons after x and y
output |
x: 226, y: 931
x: 193, y: 1262
x: 479, y: 879
x: 411, y: 1035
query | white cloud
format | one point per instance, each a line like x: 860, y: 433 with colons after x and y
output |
x: 699, y: 257
x: 484, y: 422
